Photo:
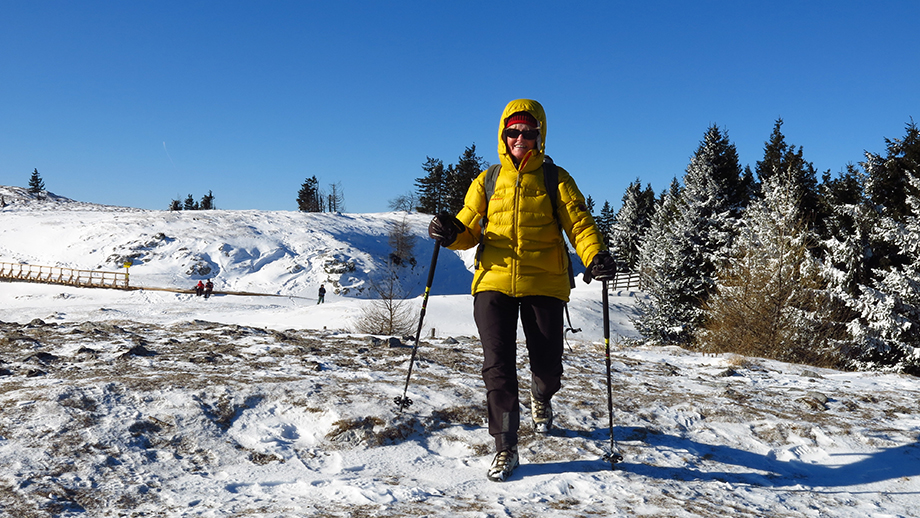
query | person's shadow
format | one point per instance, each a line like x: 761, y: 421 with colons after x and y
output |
x: 763, y: 470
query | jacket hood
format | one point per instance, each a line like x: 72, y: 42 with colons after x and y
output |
x: 536, y: 110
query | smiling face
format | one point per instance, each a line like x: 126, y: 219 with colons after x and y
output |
x: 520, y: 145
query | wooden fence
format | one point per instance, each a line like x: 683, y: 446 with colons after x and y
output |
x: 58, y: 275
x: 625, y: 281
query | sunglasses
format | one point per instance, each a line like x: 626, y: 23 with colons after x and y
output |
x: 528, y: 134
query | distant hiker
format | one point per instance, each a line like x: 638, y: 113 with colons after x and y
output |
x: 322, y: 294
x: 199, y: 289
x: 208, y: 288
x: 522, y: 270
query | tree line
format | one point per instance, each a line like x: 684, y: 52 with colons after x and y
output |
x: 311, y: 198
x: 206, y: 203
x: 777, y: 263
x: 442, y: 189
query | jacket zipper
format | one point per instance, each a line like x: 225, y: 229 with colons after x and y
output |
x: 515, y: 263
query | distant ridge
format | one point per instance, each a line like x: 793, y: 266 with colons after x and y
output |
x: 19, y: 198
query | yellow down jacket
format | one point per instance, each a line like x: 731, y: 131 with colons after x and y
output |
x: 523, y: 251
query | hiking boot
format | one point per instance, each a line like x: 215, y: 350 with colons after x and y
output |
x: 503, y: 464
x: 542, y: 414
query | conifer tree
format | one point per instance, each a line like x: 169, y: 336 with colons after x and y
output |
x: 888, y: 185
x: 460, y: 176
x: 432, y: 188
x: 697, y: 238
x: 589, y: 204
x: 847, y: 232
x: 309, y: 197
x: 714, y: 197
x: 779, y: 156
x: 207, y: 201
x: 36, y: 184
x: 190, y: 203
x: 605, y: 222
x: 669, y: 315
x: 627, y: 228
x: 886, y: 334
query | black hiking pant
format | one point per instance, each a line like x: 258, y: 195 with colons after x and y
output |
x: 496, y: 317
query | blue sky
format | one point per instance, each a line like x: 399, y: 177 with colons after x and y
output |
x: 137, y: 103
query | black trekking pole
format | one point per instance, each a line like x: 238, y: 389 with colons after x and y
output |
x: 404, y: 402
x: 614, y: 455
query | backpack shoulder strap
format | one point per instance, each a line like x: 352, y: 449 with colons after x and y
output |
x: 489, y: 184
x: 551, y: 180
x: 489, y: 187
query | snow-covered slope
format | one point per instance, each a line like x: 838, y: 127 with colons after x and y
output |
x: 278, y: 253
x: 288, y: 253
x: 18, y: 198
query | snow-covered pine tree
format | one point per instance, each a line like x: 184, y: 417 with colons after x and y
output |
x: 887, y: 333
x: 667, y: 316
x: 699, y: 235
x: 847, y: 231
x: 605, y: 223
x: 889, y: 186
x: 785, y: 158
x: 628, y: 227
x: 715, y: 195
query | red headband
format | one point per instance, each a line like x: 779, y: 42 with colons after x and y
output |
x: 522, y: 118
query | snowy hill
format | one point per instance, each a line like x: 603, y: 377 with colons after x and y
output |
x: 278, y: 253
x: 152, y: 403
x: 288, y: 253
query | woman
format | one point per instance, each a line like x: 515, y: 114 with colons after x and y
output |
x: 522, y: 272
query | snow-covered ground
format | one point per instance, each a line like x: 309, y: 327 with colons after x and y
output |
x: 155, y: 403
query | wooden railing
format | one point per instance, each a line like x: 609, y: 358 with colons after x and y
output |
x: 625, y: 281
x: 58, y: 275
